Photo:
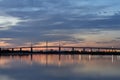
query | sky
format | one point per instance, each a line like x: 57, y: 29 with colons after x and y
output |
x: 72, y: 22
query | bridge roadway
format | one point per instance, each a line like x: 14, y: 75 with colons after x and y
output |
x: 72, y: 48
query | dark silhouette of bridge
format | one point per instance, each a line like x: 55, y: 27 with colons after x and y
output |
x: 62, y: 48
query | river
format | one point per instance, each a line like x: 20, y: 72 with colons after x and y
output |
x: 60, y: 67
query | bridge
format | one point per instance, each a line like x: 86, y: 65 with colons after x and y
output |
x: 64, y: 48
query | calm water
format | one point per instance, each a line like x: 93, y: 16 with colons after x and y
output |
x: 60, y: 67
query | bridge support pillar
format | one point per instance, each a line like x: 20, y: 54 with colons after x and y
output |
x: 73, y: 49
x: 12, y: 49
x: 20, y: 49
x: 59, y: 49
x: 84, y: 50
x: 31, y: 49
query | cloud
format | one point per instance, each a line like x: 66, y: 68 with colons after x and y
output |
x: 5, y: 39
x: 37, y: 20
x: 118, y: 38
x: 6, y: 22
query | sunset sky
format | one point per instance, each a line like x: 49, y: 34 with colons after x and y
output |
x: 73, y: 22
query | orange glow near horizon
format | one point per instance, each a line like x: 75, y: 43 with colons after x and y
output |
x: 78, y: 44
x: 4, y: 44
x: 64, y: 43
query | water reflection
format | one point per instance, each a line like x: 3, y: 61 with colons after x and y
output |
x: 62, y: 59
x: 59, y: 67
